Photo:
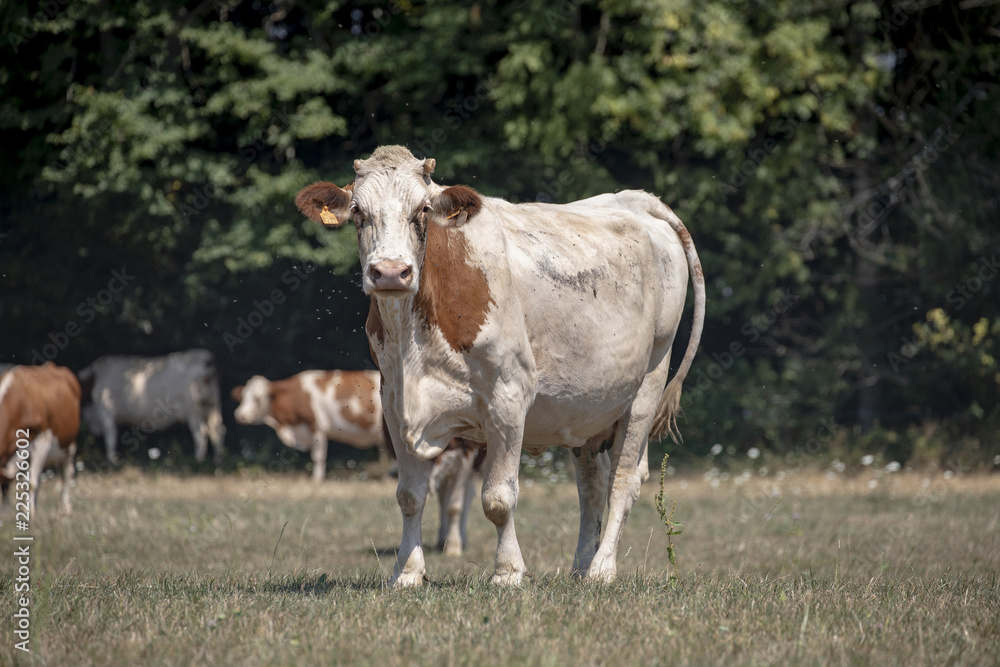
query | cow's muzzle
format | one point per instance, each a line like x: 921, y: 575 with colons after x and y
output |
x: 390, y: 276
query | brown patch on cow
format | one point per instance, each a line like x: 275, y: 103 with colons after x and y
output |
x: 290, y: 404
x: 325, y: 203
x: 456, y: 205
x: 359, y: 384
x: 373, y: 326
x: 40, y: 398
x: 237, y: 394
x: 454, y: 295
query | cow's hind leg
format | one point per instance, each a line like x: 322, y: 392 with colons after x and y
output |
x: 592, y: 486
x: 629, y: 469
x: 455, y: 506
x: 217, y: 434
x: 199, y: 433
x: 110, y: 436
x: 411, y: 494
x: 470, y: 493
x: 40, y: 447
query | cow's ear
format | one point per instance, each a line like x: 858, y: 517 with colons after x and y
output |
x: 325, y: 203
x: 455, y: 206
x: 237, y: 394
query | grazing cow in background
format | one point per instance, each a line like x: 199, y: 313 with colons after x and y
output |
x: 40, y: 405
x: 312, y: 407
x: 152, y: 393
x: 518, y: 325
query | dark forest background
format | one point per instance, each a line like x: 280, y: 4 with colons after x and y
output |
x: 837, y: 163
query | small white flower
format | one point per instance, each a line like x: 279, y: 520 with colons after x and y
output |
x: 996, y: 460
x: 872, y: 484
x: 893, y: 466
x: 753, y: 453
x: 867, y: 460
x: 838, y: 465
x: 948, y: 474
x: 154, y: 453
x: 716, y: 449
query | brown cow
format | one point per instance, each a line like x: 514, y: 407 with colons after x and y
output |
x: 39, y: 421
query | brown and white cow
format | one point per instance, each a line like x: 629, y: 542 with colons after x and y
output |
x: 152, y: 393
x: 529, y: 325
x: 312, y: 407
x: 39, y: 422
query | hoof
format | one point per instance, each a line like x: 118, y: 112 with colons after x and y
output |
x: 602, y: 573
x: 452, y: 549
x: 408, y: 580
x: 507, y: 578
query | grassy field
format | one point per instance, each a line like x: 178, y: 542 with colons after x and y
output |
x: 270, y: 570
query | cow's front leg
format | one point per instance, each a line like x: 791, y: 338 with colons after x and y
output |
x: 500, y: 489
x: 318, y: 452
x: 411, y: 494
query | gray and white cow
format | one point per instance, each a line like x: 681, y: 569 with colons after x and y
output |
x: 518, y: 325
x: 152, y: 393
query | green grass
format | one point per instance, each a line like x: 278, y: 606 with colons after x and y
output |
x: 268, y: 570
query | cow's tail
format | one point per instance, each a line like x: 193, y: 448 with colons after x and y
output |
x: 665, y: 421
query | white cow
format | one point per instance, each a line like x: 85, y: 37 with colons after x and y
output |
x: 531, y: 325
x: 152, y: 393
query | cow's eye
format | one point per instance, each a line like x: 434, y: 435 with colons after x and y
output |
x: 426, y: 209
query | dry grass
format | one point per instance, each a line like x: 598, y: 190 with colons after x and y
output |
x: 265, y: 569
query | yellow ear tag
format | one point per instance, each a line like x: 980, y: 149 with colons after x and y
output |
x: 328, y: 217
x: 454, y: 214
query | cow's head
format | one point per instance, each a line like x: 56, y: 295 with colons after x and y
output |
x: 255, y: 400
x: 391, y: 201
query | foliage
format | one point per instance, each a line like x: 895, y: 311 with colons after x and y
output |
x: 836, y: 164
